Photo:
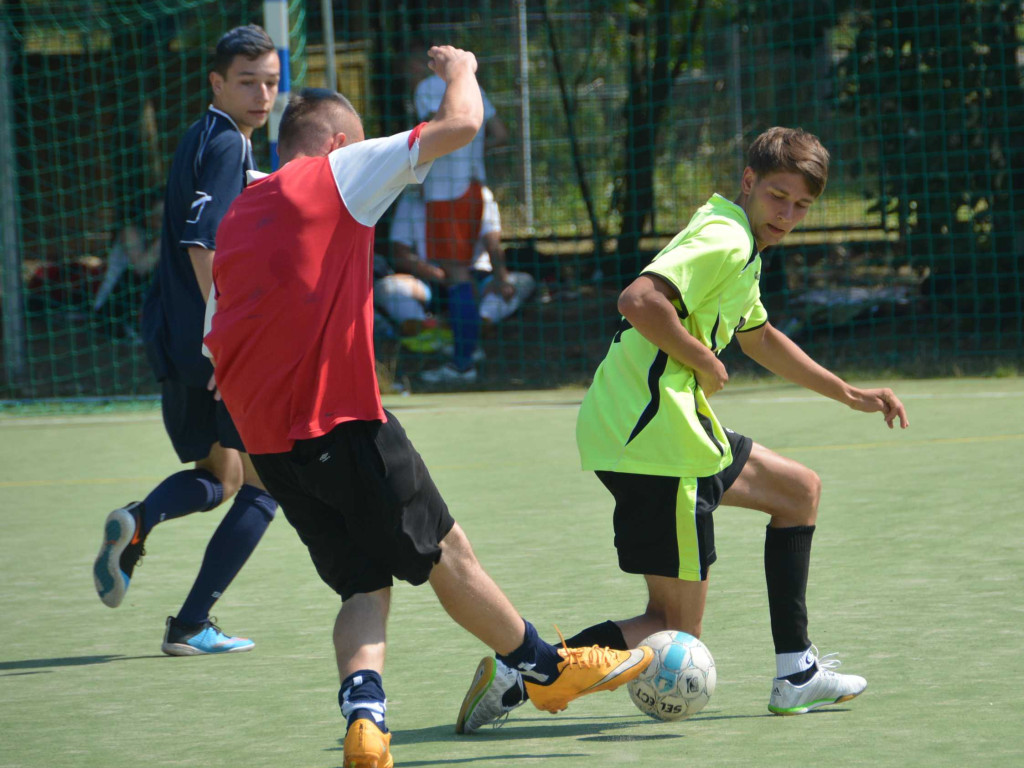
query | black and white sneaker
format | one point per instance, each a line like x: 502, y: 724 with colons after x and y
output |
x: 182, y: 639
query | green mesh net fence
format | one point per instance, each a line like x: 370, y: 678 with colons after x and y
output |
x: 617, y: 119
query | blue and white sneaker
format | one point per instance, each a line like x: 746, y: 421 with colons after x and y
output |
x: 182, y: 639
x: 121, y: 550
x: 495, y: 691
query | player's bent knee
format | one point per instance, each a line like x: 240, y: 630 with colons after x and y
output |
x: 815, y: 491
x: 227, y: 469
x: 808, y: 493
x: 259, y: 499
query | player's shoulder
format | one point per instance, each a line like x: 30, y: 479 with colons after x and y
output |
x: 719, y: 211
x: 723, y: 225
x: 218, y: 133
x: 355, y: 165
x: 226, y: 134
x: 372, y: 150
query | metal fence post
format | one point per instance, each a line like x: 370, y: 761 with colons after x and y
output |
x: 12, y: 298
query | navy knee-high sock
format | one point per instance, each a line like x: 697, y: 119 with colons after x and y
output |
x: 535, y: 659
x: 185, y: 492
x: 465, y: 319
x: 232, y: 543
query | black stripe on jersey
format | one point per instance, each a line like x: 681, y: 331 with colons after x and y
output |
x: 653, y: 376
x: 714, y: 332
x: 753, y: 255
x: 706, y: 422
x: 745, y: 329
x: 624, y: 325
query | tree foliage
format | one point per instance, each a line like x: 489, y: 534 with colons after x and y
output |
x: 659, y: 44
x: 936, y: 87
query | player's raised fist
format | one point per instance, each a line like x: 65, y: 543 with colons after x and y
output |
x: 446, y: 59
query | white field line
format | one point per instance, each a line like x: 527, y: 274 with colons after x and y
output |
x: 397, y: 404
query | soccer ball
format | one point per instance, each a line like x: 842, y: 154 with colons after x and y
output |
x: 680, y: 679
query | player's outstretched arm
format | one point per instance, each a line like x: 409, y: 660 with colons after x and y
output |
x: 772, y: 349
x: 461, y: 113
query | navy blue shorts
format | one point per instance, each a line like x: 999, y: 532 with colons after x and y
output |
x: 195, y: 421
x: 363, y: 503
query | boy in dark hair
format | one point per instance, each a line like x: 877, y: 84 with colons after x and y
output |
x: 207, y: 174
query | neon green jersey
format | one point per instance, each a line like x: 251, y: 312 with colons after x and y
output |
x: 644, y: 413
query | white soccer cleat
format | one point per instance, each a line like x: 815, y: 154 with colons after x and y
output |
x: 484, y: 701
x: 826, y: 687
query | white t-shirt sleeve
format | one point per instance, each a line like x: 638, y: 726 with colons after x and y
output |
x: 371, y: 174
x: 489, y: 110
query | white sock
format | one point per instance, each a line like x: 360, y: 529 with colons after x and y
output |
x: 790, y: 663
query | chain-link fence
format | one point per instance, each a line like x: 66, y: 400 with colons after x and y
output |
x: 620, y: 119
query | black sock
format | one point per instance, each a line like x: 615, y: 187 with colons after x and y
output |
x: 607, y: 634
x: 787, y: 559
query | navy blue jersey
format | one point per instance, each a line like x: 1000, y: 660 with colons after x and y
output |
x: 207, y: 174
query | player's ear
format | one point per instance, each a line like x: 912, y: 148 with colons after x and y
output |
x: 216, y: 82
x: 338, y: 141
x: 748, y: 180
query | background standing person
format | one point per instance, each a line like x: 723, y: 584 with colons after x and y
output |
x: 454, y: 199
x: 405, y: 296
x: 291, y: 273
x: 207, y: 173
x: 646, y: 427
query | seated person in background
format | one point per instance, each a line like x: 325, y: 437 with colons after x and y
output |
x: 404, y: 297
x: 130, y: 261
x: 401, y: 301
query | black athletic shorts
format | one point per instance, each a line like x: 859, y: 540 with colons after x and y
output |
x: 195, y: 421
x: 363, y: 503
x: 664, y: 526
